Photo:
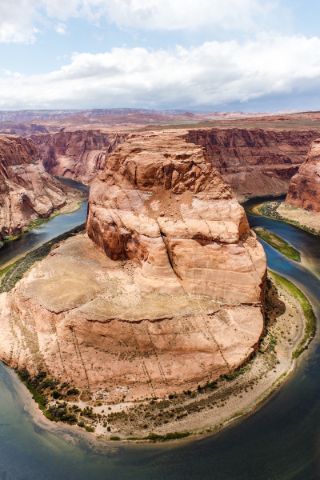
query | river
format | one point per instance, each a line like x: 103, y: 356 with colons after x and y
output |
x: 280, y: 441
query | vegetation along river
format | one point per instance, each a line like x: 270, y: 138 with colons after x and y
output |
x: 280, y: 441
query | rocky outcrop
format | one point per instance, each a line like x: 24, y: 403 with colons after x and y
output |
x: 27, y: 192
x: 255, y: 162
x: 79, y: 155
x: 304, y: 189
x: 164, y: 295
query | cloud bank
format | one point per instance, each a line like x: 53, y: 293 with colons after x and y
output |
x: 22, y: 20
x: 207, y: 76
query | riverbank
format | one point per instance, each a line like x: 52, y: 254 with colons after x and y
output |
x: 212, y: 406
x: 75, y: 197
x: 194, y: 413
x: 12, y: 273
x: 298, y: 217
x: 278, y: 243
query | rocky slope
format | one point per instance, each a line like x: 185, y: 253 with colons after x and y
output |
x: 27, y: 192
x: 304, y: 189
x: 255, y: 161
x: 79, y: 154
x: 163, y: 294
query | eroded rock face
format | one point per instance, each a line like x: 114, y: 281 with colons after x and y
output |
x: 255, y: 162
x: 304, y: 189
x: 79, y: 155
x: 167, y: 295
x: 26, y: 190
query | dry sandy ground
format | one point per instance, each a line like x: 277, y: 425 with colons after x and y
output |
x: 305, y: 218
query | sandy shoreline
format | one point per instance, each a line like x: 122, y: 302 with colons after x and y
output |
x: 279, y: 210
x: 72, y: 434
x: 210, y: 410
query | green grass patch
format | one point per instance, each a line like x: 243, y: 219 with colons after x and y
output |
x: 7, y: 269
x: 154, y: 437
x: 278, y: 243
x: 311, y: 319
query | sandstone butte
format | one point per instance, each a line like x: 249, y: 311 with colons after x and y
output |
x: 304, y: 189
x: 163, y: 293
x: 27, y: 192
x: 78, y: 154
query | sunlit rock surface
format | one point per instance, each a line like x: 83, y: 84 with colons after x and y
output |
x: 165, y: 292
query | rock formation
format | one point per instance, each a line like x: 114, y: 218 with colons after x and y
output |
x: 79, y: 155
x: 304, y: 189
x: 27, y: 192
x: 164, y: 295
x: 21, y: 129
x: 255, y: 161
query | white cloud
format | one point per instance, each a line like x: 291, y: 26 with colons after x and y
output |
x: 61, y: 28
x: 17, y: 21
x: 210, y: 75
x: 20, y: 20
x: 186, y: 14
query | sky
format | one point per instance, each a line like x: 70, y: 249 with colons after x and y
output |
x: 197, y: 55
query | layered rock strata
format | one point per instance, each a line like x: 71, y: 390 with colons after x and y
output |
x: 79, y: 154
x: 304, y: 189
x: 27, y: 192
x: 255, y: 162
x: 163, y: 294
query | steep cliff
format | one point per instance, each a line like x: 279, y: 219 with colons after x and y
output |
x: 304, y: 189
x: 167, y: 296
x: 27, y: 192
x: 79, y: 155
x: 255, y: 161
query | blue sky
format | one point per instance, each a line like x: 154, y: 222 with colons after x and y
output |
x: 248, y: 55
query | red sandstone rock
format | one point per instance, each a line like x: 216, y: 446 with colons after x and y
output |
x: 27, y: 192
x: 167, y: 296
x: 79, y: 155
x: 255, y: 161
x: 304, y: 189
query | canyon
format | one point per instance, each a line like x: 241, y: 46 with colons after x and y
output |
x: 78, y: 154
x: 255, y: 162
x: 27, y: 192
x: 166, y: 288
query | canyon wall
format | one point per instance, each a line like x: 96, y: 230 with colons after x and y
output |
x: 165, y: 293
x: 255, y: 162
x: 304, y: 189
x: 27, y: 192
x: 79, y: 154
